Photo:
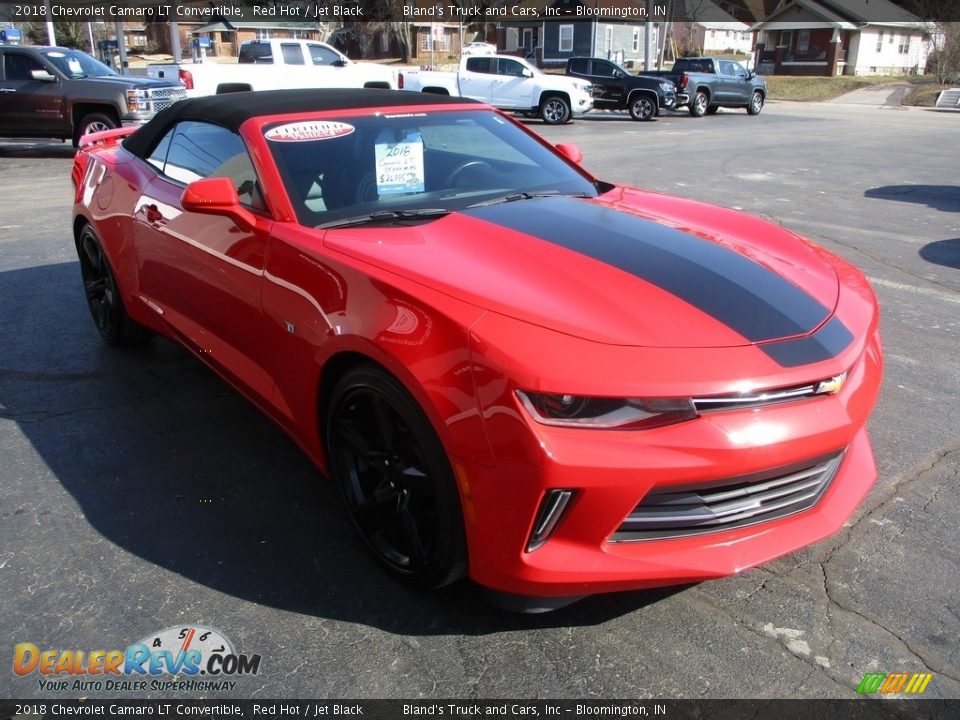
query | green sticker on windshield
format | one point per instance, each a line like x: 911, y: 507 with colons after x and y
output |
x: 399, y: 162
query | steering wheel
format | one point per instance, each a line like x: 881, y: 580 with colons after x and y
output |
x: 467, y: 167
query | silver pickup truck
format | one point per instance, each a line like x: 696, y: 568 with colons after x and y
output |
x: 706, y: 84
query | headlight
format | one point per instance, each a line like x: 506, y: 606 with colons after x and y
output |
x: 138, y: 100
x: 604, y: 413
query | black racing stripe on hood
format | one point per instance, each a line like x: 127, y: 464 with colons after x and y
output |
x: 744, y: 295
x: 828, y: 342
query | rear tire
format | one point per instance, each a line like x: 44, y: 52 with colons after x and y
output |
x: 395, y: 479
x: 103, y: 296
x: 699, y: 104
x: 554, y: 110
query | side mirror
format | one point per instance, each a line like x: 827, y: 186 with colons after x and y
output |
x: 217, y: 196
x: 42, y: 76
x: 527, y: 73
x: 340, y: 63
x: 570, y: 152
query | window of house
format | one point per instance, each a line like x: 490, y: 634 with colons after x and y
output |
x: 636, y: 39
x: 904, y: 47
x: 429, y: 43
x: 566, y: 38
x: 803, y: 41
x: 786, y: 38
x: 195, y: 150
x: 880, y: 42
x: 608, y: 40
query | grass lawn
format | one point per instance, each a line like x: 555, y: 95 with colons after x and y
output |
x: 790, y: 87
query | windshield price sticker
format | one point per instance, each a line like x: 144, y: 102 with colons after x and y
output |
x: 400, y: 166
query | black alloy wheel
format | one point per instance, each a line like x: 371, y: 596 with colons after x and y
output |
x: 642, y: 108
x: 103, y: 296
x: 395, y: 479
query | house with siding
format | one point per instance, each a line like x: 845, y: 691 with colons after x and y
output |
x: 616, y: 32
x: 841, y: 37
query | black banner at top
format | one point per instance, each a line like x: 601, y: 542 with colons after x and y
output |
x: 852, y: 12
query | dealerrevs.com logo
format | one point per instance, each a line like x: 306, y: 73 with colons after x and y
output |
x: 188, y: 658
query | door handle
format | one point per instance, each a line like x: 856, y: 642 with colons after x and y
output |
x: 7, y: 90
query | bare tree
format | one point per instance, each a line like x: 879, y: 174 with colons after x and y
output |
x: 69, y: 34
x: 941, y: 19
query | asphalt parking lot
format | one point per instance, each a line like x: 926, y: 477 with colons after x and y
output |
x: 138, y: 492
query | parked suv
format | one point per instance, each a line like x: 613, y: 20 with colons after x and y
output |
x: 616, y: 89
x: 61, y: 93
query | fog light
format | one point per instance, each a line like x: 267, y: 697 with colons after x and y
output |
x: 548, y: 516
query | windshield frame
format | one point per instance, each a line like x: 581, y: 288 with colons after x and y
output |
x: 570, y: 178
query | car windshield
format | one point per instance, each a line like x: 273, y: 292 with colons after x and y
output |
x: 394, y: 165
x: 75, y: 64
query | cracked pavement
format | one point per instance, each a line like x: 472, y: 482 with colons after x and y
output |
x: 138, y: 492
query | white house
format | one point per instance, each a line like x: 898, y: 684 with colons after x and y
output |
x: 855, y: 37
x: 722, y: 37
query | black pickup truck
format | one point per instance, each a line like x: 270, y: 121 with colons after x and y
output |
x: 706, y: 84
x: 616, y: 89
x: 61, y: 93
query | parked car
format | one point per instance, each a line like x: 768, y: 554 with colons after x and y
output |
x: 616, y: 89
x: 706, y: 84
x: 56, y: 92
x: 509, y: 83
x: 479, y: 48
x: 511, y: 369
x: 277, y: 65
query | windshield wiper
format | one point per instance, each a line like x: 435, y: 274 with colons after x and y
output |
x: 525, y: 195
x: 385, y: 216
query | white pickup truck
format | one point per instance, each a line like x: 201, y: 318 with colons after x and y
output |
x: 508, y: 83
x: 305, y: 64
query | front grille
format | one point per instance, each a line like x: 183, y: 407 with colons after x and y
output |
x: 165, y: 97
x: 737, y: 502
x: 769, y: 397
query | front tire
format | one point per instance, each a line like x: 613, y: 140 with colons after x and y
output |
x: 756, y: 103
x: 554, y: 110
x: 395, y: 479
x: 91, y: 123
x: 642, y: 108
x: 103, y: 296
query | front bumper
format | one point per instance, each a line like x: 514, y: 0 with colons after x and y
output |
x: 610, y: 472
x: 581, y: 106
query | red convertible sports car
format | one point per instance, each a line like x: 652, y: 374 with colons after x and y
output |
x: 512, y: 370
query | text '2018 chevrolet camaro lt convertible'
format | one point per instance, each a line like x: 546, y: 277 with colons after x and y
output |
x: 512, y: 370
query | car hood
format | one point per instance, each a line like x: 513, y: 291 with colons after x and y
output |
x: 623, y: 269
x: 130, y: 81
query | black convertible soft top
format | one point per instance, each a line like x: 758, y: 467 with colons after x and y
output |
x: 231, y: 110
